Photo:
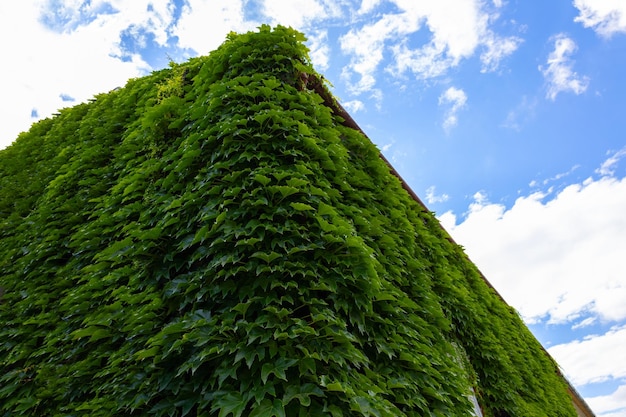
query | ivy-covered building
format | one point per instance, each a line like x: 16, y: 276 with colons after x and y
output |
x: 220, y: 239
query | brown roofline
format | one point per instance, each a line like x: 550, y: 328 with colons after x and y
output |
x: 318, y: 86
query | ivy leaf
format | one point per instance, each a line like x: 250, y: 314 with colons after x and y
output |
x: 147, y: 353
x: 262, y: 179
x: 326, y: 210
x: 272, y: 83
x: 174, y: 204
x: 231, y: 403
x: 284, y: 190
x: 335, y: 386
x: 186, y: 405
x: 325, y: 226
x: 151, y: 234
x: 297, y: 182
x: 201, y: 234
x: 304, y: 129
x: 278, y: 368
x: 117, y: 249
x: 267, y: 257
x: 242, y: 307
x: 307, y: 365
x: 301, y: 207
x: 269, y: 408
x: 302, y: 393
x: 248, y: 242
x: 279, y: 175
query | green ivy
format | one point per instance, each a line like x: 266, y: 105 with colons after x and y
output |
x: 212, y: 240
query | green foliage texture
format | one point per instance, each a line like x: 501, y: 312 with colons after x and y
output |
x: 212, y: 240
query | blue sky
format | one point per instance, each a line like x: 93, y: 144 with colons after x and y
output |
x: 507, y: 117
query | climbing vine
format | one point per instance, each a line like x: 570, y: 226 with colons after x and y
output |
x: 212, y: 240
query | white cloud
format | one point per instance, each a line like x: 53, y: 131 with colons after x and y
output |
x: 457, y: 27
x: 366, y: 46
x: 429, y: 61
x: 354, y: 106
x: 203, y: 25
x: 496, y: 49
x: 432, y: 197
x: 554, y: 178
x: 558, y: 72
x: 368, y: 5
x: 555, y: 257
x: 299, y: 14
x: 609, y: 166
x: 583, y: 364
x: 456, y: 99
x: 584, y: 323
x: 614, y: 403
x: 66, y: 15
x: 606, y: 17
x: 561, y: 175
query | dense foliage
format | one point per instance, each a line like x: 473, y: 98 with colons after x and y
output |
x: 212, y: 240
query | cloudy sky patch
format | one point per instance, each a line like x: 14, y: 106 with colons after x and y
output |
x: 454, y: 99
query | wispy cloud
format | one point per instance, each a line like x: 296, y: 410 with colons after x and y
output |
x: 606, y: 17
x: 556, y: 177
x: 354, y: 106
x: 584, y: 323
x: 609, y: 166
x: 455, y: 36
x: 521, y: 114
x: 558, y: 71
x: 66, y: 16
x: 432, y: 197
x: 366, y: 46
x: 496, y: 49
x: 454, y: 99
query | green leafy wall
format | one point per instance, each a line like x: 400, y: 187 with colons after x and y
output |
x: 212, y: 240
